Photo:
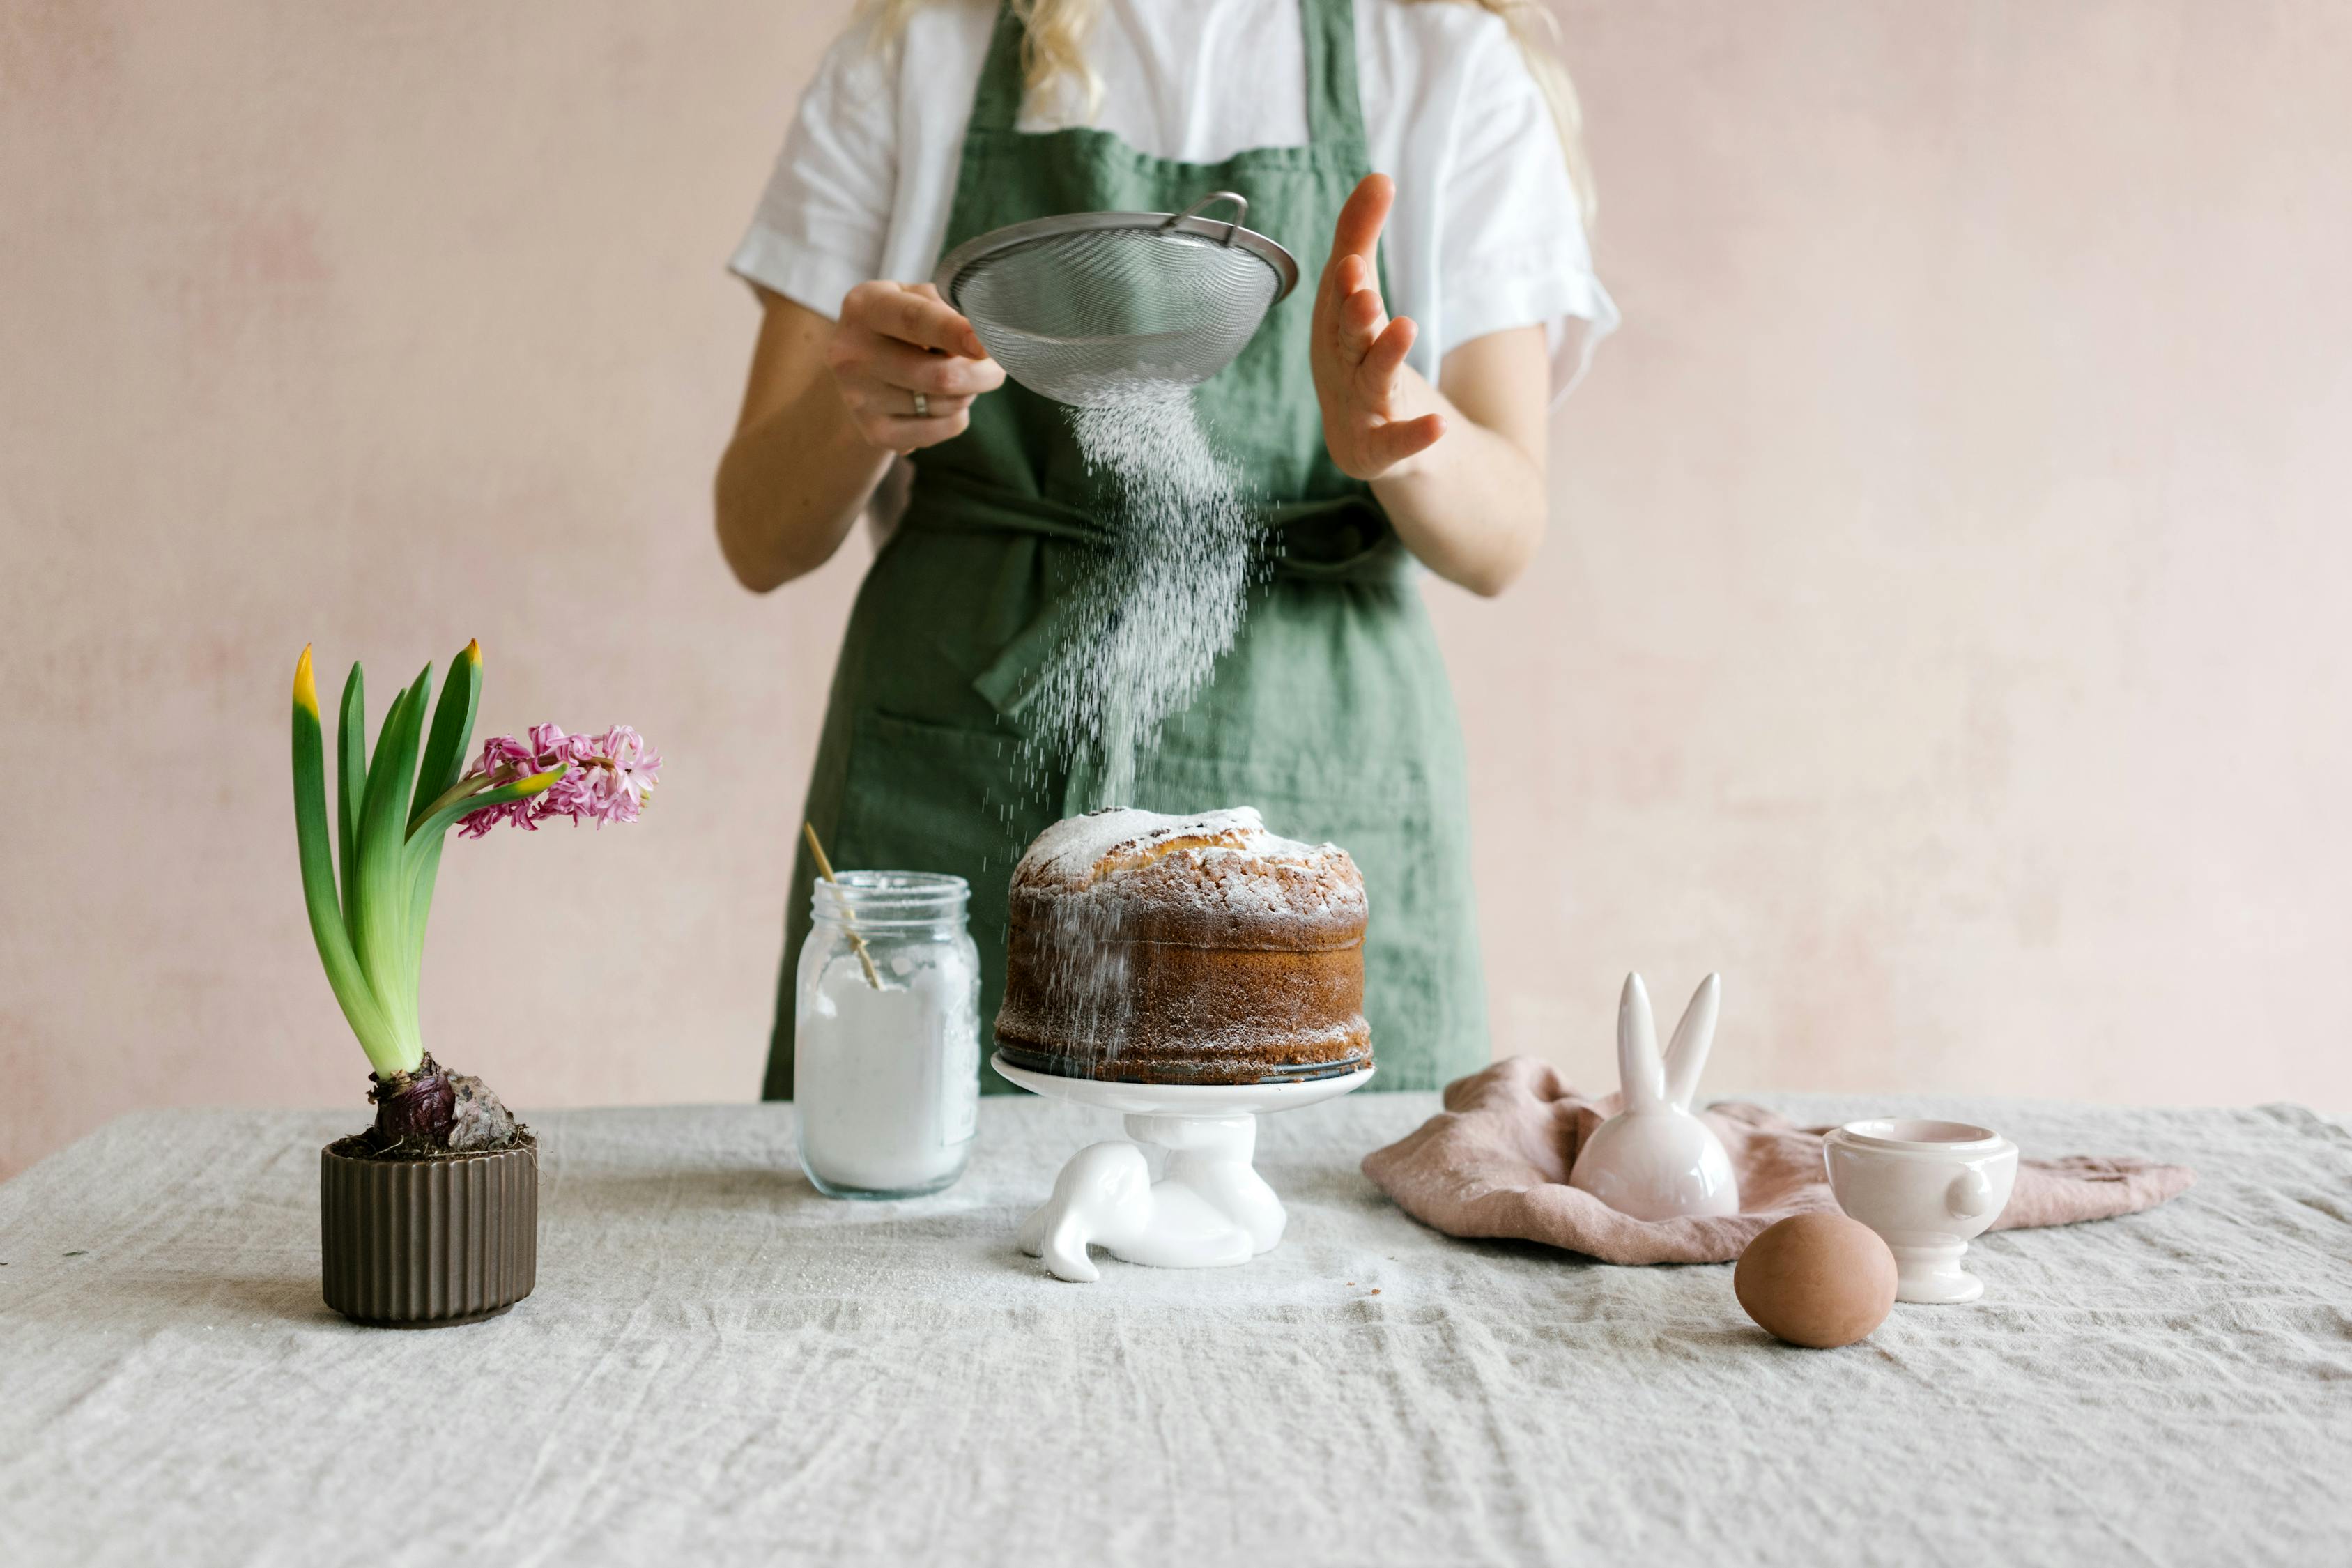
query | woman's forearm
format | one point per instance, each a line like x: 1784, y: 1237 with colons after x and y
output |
x: 825, y: 406
x: 791, y: 487
x: 1472, y: 507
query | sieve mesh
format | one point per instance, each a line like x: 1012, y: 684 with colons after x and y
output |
x: 1099, y: 313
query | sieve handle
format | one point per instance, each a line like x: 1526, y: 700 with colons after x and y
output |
x: 1241, y: 211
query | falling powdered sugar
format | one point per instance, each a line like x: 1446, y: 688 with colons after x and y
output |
x: 1152, y: 616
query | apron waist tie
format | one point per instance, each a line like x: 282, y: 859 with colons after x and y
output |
x: 1337, y: 539
x: 1341, y: 540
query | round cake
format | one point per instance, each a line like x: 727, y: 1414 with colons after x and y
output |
x: 1151, y: 948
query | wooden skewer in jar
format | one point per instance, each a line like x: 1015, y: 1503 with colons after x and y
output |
x: 848, y: 921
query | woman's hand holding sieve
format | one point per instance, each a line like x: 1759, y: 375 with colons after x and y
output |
x: 907, y: 365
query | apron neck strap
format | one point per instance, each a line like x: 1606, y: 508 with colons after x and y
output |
x: 1334, y: 110
x: 997, y: 106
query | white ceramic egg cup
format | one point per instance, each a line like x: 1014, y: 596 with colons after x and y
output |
x: 1207, y: 1209
x: 1929, y: 1188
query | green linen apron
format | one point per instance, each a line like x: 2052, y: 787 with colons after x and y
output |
x: 1332, y: 714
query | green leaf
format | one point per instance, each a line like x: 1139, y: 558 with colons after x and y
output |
x: 424, y: 868
x: 462, y: 792
x: 445, y: 760
x: 351, y: 777
x: 453, y: 730
x: 446, y: 812
x: 426, y: 839
x: 379, y: 917
x: 361, y: 1007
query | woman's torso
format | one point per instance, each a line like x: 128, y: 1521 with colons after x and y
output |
x: 1330, y: 713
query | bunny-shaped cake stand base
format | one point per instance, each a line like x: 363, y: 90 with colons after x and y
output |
x: 1654, y: 1159
x: 1206, y: 1209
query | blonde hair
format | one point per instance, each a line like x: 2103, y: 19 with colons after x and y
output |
x: 1054, y: 49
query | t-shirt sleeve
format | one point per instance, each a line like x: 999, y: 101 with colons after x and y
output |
x: 1513, y: 251
x: 824, y: 221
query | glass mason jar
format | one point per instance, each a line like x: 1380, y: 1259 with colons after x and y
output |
x: 886, y: 1055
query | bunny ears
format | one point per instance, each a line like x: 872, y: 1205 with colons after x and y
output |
x: 1652, y: 1085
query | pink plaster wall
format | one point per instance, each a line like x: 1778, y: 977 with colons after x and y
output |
x: 1941, y: 632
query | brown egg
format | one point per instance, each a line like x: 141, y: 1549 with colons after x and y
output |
x: 1818, y: 1279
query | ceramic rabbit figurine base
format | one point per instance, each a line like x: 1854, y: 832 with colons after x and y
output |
x: 1208, y: 1208
x: 1654, y: 1160
x: 1929, y: 1188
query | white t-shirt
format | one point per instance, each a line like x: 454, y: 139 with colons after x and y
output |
x: 1484, y: 235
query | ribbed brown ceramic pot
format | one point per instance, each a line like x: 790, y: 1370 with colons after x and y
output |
x: 420, y: 1243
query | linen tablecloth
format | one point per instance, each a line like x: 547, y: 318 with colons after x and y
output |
x: 720, y: 1366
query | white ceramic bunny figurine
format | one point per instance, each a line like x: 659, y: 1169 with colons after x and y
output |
x: 1654, y: 1160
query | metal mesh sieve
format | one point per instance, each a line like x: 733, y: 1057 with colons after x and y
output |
x: 1094, y: 308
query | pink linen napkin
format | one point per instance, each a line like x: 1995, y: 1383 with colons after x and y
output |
x: 1495, y: 1162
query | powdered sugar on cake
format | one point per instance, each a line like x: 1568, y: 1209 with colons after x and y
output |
x: 1078, y: 850
x: 1185, y: 949
x: 1218, y: 856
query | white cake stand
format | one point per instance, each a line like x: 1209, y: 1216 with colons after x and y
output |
x: 1208, y: 1208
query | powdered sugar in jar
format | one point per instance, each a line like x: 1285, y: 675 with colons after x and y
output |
x: 886, y: 1070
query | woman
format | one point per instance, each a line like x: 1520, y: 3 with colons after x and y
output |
x: 1377, y: 442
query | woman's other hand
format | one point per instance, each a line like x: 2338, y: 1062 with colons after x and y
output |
x: 907, y: 365
x: 1471, y: 506
x: 1358, y: 351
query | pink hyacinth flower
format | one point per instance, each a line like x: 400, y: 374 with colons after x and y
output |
x: 607, y: 777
